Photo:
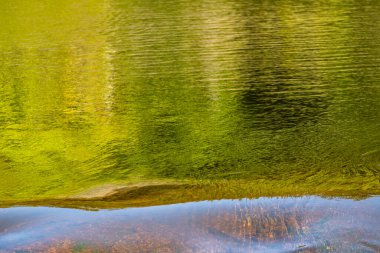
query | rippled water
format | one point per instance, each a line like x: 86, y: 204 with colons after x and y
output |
x: 308, y: 224
x: 101, y: 91
x: 173, y: 97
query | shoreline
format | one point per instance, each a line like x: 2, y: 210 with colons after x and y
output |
x: 109, y: 196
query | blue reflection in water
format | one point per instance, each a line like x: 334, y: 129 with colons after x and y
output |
x: 307, y: 224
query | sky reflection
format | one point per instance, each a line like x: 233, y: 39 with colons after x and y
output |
x: 307, y: 224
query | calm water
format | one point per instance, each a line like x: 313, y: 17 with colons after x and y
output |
x: 308, y: 225
x: 93, y: 92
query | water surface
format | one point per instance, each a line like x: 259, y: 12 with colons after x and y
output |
x: 95, y: 92
x: 307, y: 224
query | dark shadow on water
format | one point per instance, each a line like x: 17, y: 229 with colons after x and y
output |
x: 304, y: 224
x: 280, y: 99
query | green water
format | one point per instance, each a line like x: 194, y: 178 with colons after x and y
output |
x: 96, y: 92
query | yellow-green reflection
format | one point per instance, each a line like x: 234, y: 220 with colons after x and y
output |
x: 268, y: 94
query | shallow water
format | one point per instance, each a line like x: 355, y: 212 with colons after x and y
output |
x: 307, y: 224
x: 282, y: 98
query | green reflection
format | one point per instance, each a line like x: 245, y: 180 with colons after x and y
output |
x: 280, y: 96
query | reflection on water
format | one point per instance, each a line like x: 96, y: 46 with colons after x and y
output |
x: 101, y: 91
x: 307, y: 224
